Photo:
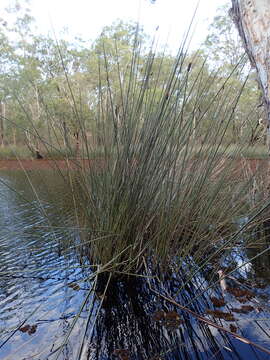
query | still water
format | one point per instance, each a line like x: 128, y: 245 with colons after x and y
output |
x: 48, y: 311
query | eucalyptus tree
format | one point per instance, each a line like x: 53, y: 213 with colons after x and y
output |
x: 252, y: 19
x: 225, y: 52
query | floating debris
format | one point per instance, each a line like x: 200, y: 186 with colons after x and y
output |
x: 245, y: 309
x: 221, y: 315
x: 171, y: 319
x: 30, y: 329
x: 218, y: 302
x: 74, y: 286
x: 241, y: 293
x: 24, y: 328
x: 233, y: 328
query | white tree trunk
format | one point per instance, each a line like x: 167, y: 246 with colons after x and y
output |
x: 252, y: 18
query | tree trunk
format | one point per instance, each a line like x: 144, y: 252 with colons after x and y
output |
x: 252, y: 19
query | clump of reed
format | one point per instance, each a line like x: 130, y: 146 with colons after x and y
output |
x: 165, y: 186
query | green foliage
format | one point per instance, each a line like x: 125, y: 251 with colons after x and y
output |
x: 223, y: 44
x: 14, y: 152
x: 35, y: 71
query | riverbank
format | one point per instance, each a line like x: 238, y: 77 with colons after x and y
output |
x: 45, y: 164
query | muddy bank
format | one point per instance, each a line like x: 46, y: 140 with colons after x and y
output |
x: 253, y: 165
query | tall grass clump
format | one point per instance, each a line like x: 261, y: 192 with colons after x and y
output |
x: 163, y: 186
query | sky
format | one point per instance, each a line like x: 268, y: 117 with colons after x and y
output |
x: 86, y: 18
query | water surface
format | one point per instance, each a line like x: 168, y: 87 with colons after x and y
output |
x: 43, y: 286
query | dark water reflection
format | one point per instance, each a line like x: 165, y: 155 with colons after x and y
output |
x: 43, y: 286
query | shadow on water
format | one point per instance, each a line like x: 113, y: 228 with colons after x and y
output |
x: 43, y: 285
x: 145, y: 326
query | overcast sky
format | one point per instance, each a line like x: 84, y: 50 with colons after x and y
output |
x: 87, y: 17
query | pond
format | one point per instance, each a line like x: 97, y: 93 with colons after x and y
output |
x: 52, y: 308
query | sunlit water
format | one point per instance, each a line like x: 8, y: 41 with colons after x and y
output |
x: 43, y: 287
